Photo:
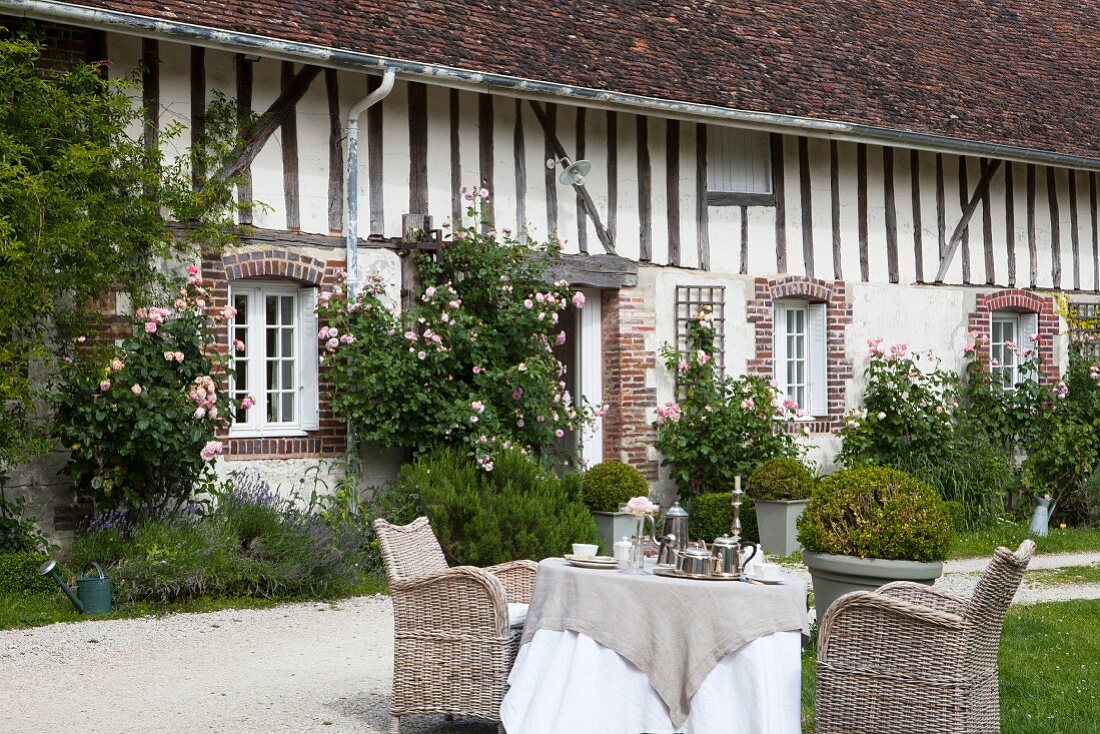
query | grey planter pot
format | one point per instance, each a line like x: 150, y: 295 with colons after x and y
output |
x: 612, y: 526
x: 834, y: 576
x: 776, y: 520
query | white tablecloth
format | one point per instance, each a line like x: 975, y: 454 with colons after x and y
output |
x: 566, y: 683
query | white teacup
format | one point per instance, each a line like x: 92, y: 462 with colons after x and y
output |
x: 585, y: 550
x: 769, y: 571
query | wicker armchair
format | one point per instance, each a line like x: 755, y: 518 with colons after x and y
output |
x: 911, y: 659
x: 454, y: 643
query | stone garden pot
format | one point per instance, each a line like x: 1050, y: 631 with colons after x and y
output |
x: 612, y: 526
x: 834, y: 575
x: 776, y: 520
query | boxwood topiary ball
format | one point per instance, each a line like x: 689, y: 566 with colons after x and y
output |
x: 876, y: 512
x: 780, y: 479
x: 610, y: 484
x: 711, y: 516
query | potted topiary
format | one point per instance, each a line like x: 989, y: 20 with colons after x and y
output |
x: 867, y: 527
x: 780, y: 488
x: 607, y: 487
x: 712, y: 517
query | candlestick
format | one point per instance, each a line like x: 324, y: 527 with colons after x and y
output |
x: 736, y: 529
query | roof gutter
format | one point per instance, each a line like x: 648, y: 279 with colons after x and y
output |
x: 292, y: 50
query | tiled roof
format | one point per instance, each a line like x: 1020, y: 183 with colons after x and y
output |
x: 1023, y: 73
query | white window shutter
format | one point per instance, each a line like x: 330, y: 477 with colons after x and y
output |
x: 779, y: 347
x: 817, y: 350
x: 1029, y: 325
x: 308, y: 389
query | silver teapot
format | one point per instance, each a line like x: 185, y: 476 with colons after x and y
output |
x: 695, y: 561
x: 674, y: 539
x: 725, y: 553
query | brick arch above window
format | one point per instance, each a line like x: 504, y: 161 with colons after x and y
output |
x: 1019, y: 301
x: 273, y: 263
x: 761, y: 313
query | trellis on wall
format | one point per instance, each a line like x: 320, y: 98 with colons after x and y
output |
x: 1083, y: 320
x: 691, y: 300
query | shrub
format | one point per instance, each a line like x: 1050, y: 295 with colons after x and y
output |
x: 970, y: 472
x: 140, y: 420
x: 518, y: 510
x: 720, y: 427
x: 781, y: 479
x: 19, y: 573
x: 711, y: 516
x: 471, y: 362
x: 876, y: 512
x: 249, y: 542
x: 18, y: 533
x: 612, y: 483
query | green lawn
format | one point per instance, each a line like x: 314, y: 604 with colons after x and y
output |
x: 34, y: 610
x: 1065, y: 575
x: 1050, y: 668
x: 981, y: 543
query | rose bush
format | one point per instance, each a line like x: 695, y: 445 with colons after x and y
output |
x: 720, y: 427
x: 472, y: 362
x: 140, y: 420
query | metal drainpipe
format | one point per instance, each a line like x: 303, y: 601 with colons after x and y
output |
x: 351, y: 259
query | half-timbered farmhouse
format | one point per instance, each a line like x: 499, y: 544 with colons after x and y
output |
x: 818, y: 174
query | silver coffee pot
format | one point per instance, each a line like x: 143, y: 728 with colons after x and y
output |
x: 674, y: 538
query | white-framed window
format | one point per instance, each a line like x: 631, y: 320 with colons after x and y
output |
x: 799, y: 354
x: 1009, y: 339
x: 739, y: 162
x: 277, y: 325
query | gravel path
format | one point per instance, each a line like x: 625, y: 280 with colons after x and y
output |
x: 295, y: 668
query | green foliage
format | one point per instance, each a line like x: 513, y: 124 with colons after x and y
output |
x: 471, y: 363
x: 18, y: 533
x: 711, y: 516
x: 84, y: 209
x: 781, y: 479
x: 19, y: 573
x: 876, y: 512
x: 140, y: 420
x: 969, y: 472
x: 518, y: 510
x: 721, y: 427
x: 909, y: 403
x: 611, y: 484
x: 250, y: 542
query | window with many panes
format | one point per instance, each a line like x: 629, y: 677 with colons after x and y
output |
x: 799, y: 354
x: 274, y: 349
x: 1010, y: 336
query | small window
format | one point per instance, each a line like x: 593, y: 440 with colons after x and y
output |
x: 274, y: 358
x: 1009, y: 344
x: 800, y: 355
x: 739, y: 169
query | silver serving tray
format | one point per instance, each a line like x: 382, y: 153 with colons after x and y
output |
x: 676, y: 574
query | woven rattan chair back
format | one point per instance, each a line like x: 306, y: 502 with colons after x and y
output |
x: 985, y: 613
x: 409, y: 551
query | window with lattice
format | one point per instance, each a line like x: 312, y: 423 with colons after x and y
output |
x: 1083, y: 320
x: 695, y: 300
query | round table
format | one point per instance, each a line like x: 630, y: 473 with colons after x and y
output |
x: 611, y: 653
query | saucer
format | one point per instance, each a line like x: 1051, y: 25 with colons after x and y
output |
x: 598, y: 562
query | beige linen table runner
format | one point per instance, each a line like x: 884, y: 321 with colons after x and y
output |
x: 673, y: 630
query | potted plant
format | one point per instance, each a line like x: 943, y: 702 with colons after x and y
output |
x: 607, y: 487
x: 780, y: 489
x: 869, y: 526
x: 712, y: 517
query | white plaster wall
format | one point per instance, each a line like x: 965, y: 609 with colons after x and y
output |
x: 289, y: 478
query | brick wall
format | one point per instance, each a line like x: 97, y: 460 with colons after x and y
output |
x: 218, y: 270
x: 1019, y: 301
x: 760, y: 312
x: 627, y: 433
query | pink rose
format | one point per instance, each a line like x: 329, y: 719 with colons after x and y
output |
x: 247, y: 402
x: 559, y: 433
x: 578, y: 299
x: 105, y: 385
x: 150, y: 327
x: 332, y: 343
x: 421, y: 356
x: 200, y: 413
x: 192, y: 269
x: 210, y: 450
x: 561, y: 339
x: 517, y: 393
x: 527, y: 303
x: 136, y: 389
x: 640, y: 506
x: 477, y: 406
x: 168, y: 356
x: 116, y: 364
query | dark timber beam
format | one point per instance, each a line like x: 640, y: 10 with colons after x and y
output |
x: 964, y: 220
x: 582, y: 192
x: 273, y: 118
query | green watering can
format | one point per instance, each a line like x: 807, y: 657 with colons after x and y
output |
x: 93, y: 593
